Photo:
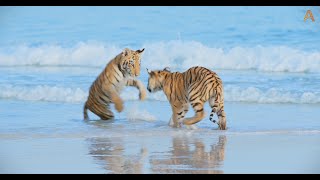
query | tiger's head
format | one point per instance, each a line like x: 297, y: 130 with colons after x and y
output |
x: 156, y: 78
x: 131, y: 61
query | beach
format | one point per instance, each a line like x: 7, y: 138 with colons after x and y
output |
x: 255, y: 142
x: 49, y: 57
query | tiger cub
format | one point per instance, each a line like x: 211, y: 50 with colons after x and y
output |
x: 120, y: 71
x: 196, y: 86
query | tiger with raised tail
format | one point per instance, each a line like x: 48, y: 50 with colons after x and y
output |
x: 119, y: 72
x: 196, y: 86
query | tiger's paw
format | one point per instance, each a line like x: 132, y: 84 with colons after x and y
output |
x: 222, y: 126
x: 119, y: 107
x: 142, y: 95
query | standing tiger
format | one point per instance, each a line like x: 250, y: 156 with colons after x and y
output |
x: 119, y: 72
x: 195, y: 86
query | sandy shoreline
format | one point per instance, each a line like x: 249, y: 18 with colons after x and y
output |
x: 257, y: 141
x: 189, y: 154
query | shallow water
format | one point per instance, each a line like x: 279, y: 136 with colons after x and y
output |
x: 255, y: 142
x: 49, y: 56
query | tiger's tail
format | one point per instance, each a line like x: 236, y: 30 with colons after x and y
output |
x: 217, y: 105
x: 85, y: 112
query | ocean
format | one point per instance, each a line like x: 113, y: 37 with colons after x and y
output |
x: 267, y: 57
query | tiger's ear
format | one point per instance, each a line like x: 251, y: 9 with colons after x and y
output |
x: 126, y: 52
x: 149, y: 72
x: 167, y: 69
x: 140, y: 51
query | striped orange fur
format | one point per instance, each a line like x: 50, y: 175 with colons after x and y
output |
x: 195, y: 86
x: 120, y: 71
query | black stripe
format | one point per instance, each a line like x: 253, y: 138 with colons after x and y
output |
x: 217, y: 95
x: 194, y: 96
x: 180, y: 113
x: 120, y: 69
x: 116, y: 79
x: 186, y: 96
x: 203, y: 92
x: 181, y: 91
x: 209, y: 78
x: 171, y: 85
x: 195, y: 104
x: 103, y: 100
x: 117, y: 71
x: 190, y: 80
x: 110, y: 81
x: 200, y: 72
x: 192, y: 88
x: 199, y: 110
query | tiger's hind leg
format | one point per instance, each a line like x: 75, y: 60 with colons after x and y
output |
x: 197, y: 105
x: 107, y: 115
x: 102, y: 111
x: 214, y: 107
x: 217, y: 105
x: 180, y: 111
x: 222, y: 117
x: 85, y: 111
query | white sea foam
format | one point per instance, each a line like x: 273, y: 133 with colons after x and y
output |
x: 176, y: 54
x: 232, y: 94
x: 136, y: 113
x: 272, y: 95
x: 82, y: 54
x: 43, y: 93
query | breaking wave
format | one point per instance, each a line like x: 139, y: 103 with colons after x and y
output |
x: 232, y: 94
x: 175, y: 54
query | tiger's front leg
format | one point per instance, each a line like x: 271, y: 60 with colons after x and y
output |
x: 138, y: 84
x: 115, y: 98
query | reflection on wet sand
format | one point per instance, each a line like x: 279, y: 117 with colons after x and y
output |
x: 185, y: 156
x: 183, y: 160
x: 110, y: 153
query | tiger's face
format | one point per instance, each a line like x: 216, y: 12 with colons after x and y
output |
x: 137, y: 61
x: 131, y: 61
x: 156, y: 79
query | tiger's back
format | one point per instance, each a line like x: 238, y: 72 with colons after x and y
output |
x: 202, y: 83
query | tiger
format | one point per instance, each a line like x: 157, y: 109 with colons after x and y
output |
x: 196, y: 86
x: 119, y: 72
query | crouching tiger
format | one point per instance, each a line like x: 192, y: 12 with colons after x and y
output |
x: 119, y: 72
x: 196, y: 86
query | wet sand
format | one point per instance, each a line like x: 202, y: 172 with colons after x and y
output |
x: 186, y: 154
x: 250, y: 145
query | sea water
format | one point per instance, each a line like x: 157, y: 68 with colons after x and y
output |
x: 267, y: 57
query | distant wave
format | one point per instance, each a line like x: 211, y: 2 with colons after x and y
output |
x: 43, y: 93
x: 232, y: 94
x: 175, y: 54
x: 272, y: 95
